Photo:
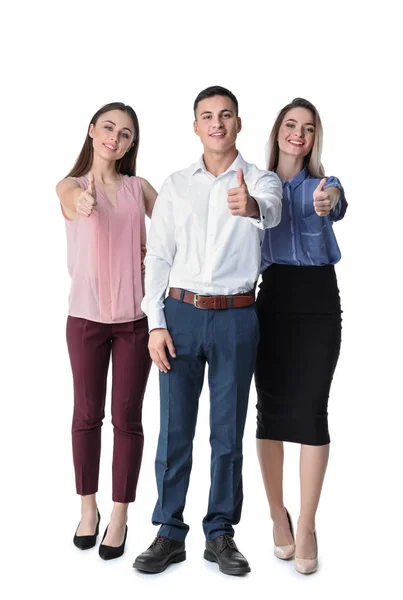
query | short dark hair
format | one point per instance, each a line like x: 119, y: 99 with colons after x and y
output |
x: 215, y: 90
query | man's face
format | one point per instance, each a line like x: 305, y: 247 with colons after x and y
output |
x: 217, y: 124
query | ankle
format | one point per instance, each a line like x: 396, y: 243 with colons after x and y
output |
x: 88, y: 503
x: 306, y: 527
x: 89, y: 511
x: 278, y: 514
x: 119, y: 514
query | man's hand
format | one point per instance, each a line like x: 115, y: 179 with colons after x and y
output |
x: 86, y: 200
x: 325, y: 200
x: 240, y: 202
x: 158, y: 341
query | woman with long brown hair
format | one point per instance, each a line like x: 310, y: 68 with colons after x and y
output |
x: 104, y: 205
x: 300, y: 325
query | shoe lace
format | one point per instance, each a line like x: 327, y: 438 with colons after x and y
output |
x: 160, y: 541
x: 227, y: 541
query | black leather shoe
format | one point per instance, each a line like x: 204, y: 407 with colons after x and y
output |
x: 159, y: 555
x: 85, y: 542
x: 111, y: 552
x: 223, y: 551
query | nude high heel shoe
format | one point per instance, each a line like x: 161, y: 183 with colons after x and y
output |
x: 288, y: 551
x: 308, y: 565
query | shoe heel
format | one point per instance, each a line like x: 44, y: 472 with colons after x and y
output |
x: 209, y: 556
x: 288, y: 551
x: 180, y: 558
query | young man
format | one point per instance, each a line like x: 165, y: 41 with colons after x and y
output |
x: 204, y: 244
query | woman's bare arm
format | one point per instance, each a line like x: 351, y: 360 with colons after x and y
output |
x: 150, y: 196
x: 74, y: 199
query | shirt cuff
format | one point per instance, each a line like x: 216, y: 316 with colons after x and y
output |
x: 339, y: 208
x: 258, y: 221
x: 156, y: 320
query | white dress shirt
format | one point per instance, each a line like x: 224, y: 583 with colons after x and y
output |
x: 195, y: 243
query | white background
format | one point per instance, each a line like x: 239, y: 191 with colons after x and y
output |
x: 60, y: 62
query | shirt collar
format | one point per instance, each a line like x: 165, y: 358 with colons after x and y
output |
x: 238, y: 163
x: 298, y: 179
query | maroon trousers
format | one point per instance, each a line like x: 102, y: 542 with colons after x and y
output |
x: 90, y: 346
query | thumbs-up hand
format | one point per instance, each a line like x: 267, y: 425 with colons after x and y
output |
x: 239, y: 201
x: 240, y: 178
x: 86, y: 200
x: 91, y: 183
x: 322, y: 200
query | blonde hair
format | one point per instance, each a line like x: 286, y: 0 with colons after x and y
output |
x: 313, y: 160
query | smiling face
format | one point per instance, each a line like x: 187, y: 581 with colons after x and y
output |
x: 217, y: 124
x: 296, y: 135
x: 112, y: 134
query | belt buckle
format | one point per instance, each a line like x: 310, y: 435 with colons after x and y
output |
x: 196, y: 300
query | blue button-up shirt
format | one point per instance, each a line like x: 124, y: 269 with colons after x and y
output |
x: 302, y: 237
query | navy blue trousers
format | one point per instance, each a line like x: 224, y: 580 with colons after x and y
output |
x: 227, y: 341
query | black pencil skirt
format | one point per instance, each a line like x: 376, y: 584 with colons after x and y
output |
x: 300, y: 334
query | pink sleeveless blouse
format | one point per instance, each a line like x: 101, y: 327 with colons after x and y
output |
x: 104, y: 256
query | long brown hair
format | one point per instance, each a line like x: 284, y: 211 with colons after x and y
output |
x: 125, y: 165
x: 313, y: 160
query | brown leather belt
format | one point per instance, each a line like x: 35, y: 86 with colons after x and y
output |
x: 213, y: 302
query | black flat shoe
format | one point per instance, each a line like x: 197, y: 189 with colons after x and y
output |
x: 159, y: 555
x: 111, y: 552
x: 224, y: 551
x: 85, y: 542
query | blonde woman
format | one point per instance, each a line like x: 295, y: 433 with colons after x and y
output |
x: 300, y: 325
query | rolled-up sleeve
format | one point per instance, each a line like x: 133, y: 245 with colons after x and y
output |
x: 268, y: 193
x: 339, y: 210
x: 161, y: 249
